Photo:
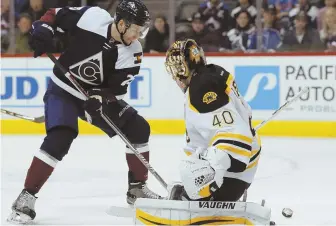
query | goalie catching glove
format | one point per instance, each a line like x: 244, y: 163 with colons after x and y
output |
x: 203, y: 172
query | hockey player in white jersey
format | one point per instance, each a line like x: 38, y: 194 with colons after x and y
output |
x: 222, y: 147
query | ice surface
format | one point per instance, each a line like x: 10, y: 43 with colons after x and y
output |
x: 294, y: 173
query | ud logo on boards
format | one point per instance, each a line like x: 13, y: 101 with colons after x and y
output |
x: 25, y: 87
x: 139, y: 93
x: 259, y: 85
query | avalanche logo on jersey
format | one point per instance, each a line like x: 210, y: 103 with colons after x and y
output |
x: 89, y: 70
x: 259, y: 85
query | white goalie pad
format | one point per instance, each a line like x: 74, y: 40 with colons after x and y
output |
x: 172, y: 212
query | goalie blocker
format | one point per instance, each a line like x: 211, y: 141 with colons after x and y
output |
x: 172, y: 212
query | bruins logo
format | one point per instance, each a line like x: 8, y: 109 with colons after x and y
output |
x: 209, y: 97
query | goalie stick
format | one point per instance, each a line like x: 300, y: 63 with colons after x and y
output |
x: 109, y: 122
x: 286, y: 104
x: 39, y: 119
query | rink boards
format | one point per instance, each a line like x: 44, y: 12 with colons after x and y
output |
x: 265, y: 81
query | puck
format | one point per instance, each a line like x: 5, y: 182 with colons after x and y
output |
x: 287, y: 212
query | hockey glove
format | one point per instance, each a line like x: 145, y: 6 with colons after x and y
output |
x: 176, y: 191
x: 203, y: 172
x: 41, y: 39
x: 98, y: 98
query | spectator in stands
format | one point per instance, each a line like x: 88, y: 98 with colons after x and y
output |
x: 283, y: 7
x: 158, y: 37
x: 4, y: 25
x: 238, y: 36
x: 247, y: 5
x: 271, y: 39
x: 328, y: 32
x: 216, y: 15
x: 35, y: 8
x: 311, y: 11
x: 331, y: 44
x: 22, y: 34
x: 302, y: 37
x: 328, y: 4
x: 209, y: 41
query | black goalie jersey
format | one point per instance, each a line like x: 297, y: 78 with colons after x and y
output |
x: 93, y: 57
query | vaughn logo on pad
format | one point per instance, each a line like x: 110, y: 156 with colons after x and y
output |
x: 217, y: 205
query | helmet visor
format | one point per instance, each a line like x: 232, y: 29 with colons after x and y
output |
x: 138, y: 31
x: 144, y: 30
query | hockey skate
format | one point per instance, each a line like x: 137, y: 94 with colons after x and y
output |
x: 139, y: 189
x: 23, y: 208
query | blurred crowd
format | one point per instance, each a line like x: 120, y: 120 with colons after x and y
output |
x: 287, y: 25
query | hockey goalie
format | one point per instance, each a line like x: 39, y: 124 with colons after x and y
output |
x: 222, y: 149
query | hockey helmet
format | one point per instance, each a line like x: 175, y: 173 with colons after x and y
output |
x: 133, y: 12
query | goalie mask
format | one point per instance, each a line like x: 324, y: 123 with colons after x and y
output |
x: 182, y: 59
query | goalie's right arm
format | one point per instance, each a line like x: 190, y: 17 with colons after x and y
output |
x: 203, y: 173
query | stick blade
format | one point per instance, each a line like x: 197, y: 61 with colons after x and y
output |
x: 40, y: 119
x: 120, y: 211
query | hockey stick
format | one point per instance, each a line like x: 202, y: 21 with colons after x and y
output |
x: 282, y: 107
x: 109, y: 122
x: 39, y: 119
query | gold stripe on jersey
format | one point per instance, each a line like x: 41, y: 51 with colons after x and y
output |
x: 254, y: 159
x: 223, y: 135
x: 237, y: 151
x: 188, y: 153
x: 228, y: 84
x: 253, y: 152
x: 236, y: 145
x: 253, y: 164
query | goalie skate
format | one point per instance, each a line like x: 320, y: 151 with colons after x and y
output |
x: 23, y: 209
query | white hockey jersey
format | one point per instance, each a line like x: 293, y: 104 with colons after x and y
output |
x: 216, y: 115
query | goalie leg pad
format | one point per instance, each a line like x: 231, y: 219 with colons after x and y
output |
x: 58, y: 141
x: 172, y: 212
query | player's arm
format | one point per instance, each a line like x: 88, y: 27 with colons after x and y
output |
x: 43, y: 30
x: 236, y: 145
x: 228, y: 152
x: 63, y: 18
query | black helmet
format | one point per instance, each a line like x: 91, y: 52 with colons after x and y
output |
x: 133, y: 12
